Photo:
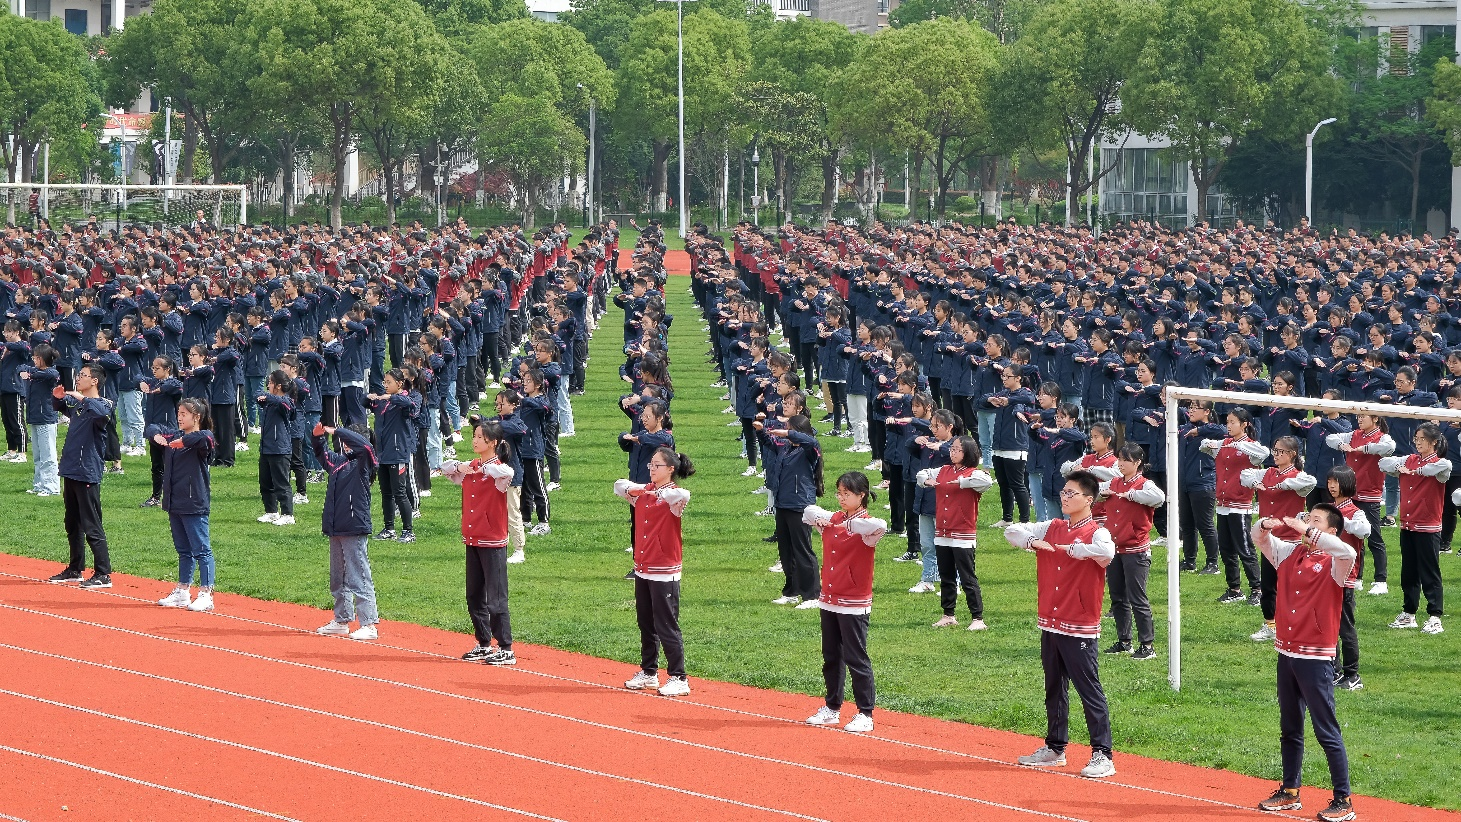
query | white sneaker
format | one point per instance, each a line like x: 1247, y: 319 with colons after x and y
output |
x: 749, y: 472
x: 179, y: 598
x: 629, y: 550
x: 947, y: 622
x: 808, y: 604
x: 269, y: 518
x: 825, y: 716
x: 1432, y: 625
x: 517, y: 558
x: 643, y: 682
x: 424, y: 493
x: 301, y: 499
x: 786, y: 600
x: 285, y: 519
x: 366, y: 633
x: 254, y: 429
x: 677, y: 686
x: 1043, y: 757
x: 554, y: 486
x: 775, y: 569
x: 761, y: 474
x: 860, y: 724
x: 923, y: 588
x: 761, y: 490
x: 1099, y: 767
x: 1158, y: 542
x: 1002, y: 524
x: 875, y: 465
x: 977, y: 625
x: 1379, y: 588
x: 540, y: 529
x: 204, y: 602
x: 1264, y: 634
x: 334, y: 629
x: 240, y: 447
x: 1404, y: 621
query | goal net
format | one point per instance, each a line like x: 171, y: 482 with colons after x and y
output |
x: 224, y: 206
x: 1175, y: 397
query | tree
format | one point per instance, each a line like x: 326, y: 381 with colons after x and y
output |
x: 924, y: 87
x: 1213, y: 71
x: 1063, y: 79
x: 607, y: 24
x: 1004, y: 19
x: 400, y: 117
x: 1444, y: 107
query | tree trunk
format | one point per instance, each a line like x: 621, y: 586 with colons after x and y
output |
x: 339, y: 154
x: 1415, y: 160
x: 829, y: 184
x: 989, y: 186
x: 190, y: 150
x: 390, y: 190
x: 1202, y: 182
x: 940, y: 177
x: 659, y: 183
x: 288, y: 160
x: 530, y: 207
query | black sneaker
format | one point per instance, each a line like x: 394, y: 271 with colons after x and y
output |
x: 631, y: 574
x: 1119, y: 648
x: 65, y: 576
x: 1338, y: 677
x: 386, y: 533
x: 1387, y: 522
x: 907, y: 556
x: 825, y: 418
x: 1350, y: 683
x: 1210, y: 568
x: 407, y: 536
x: 1255, y: 598
x: 1185, y: 565
x: 1339, y: 810
x: 501, y: 657
x: 771, y: 538
x: 477, y: 654
x: 97, y: 581
x: 1144, y: 652
x: 1282, y: 800
x: 1230, y: 597
x: 150, y: 502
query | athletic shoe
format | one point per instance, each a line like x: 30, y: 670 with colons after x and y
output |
x: 1264, y: 634
x: 1255, y: 598
x: 1043, y: 757
x: 761, y: 474
x: 478, y: 653
x: 775, y: 569
x: 386, y: 533
x: 677, y: 686
x: 366, y: 633
x: 517, y: 558
x: 1283, y: 799
x: 1338, y: 676
x: 923, y: 588
x: 554, y: 486
x: 240, y: 447
x: 406, y: 536
x: 1350, y: 683
x: 1432, y: 625
x: 97, y: 581
x: 1379, y: 588
x: 771, y: 538
x: 285, y: 519
x: 1404, y: 620
x: 1099, y: 767
x: 1387, y: 522
x: 906, y: 556
x: 1209, y: 569
x: 947, y: 622
x: 1229, y: 597
x: 114, y: 469
x: 875, y: 465
x: 825, y: 716
x: 761, y: 490
x: 204, y: 602
x: 334, y: 628
x: 1157, y: 542
x: 1144, y: 652
x: 254, y: 429
x: 629, y: 550
x: 179, y: 598
x: 643, y: 682
x: 65, y: 576
x: 1119, y: 648
x: 269, y: 518
x: 541, y: 529
x: 749, y: 472
x: 977, y: 625
x: 860, y: 724
x: 1339, y: 810
x: 1184, y: 565
x: 1002, y: 524
x: 150, y: 502
x: 48, y: 494
x: 424, y: 493
x: 786, y: 600
x: 501, y: 657
x: 301, y: 499
x: 809, y: 604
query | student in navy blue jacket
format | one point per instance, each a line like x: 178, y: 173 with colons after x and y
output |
x: 513, y: 431
x: 395, y: 441
x: 159, y: 409
x: 40, y: 380
x: 16, y: 357
x: 799, y: 461
x: 346, y: 521
x: 187, y: 499
x: 1014, y: 410
x: 1197, y: 485
x: 1319, y: 458
x: 81, y: 470
x: 223, y: 396
x: 832, y: 363
x: 276, y: 408
x: 332, y: 353
x: 536, y: 412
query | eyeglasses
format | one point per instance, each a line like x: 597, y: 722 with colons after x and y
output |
x: 1284, y: 451
x: 1068, y: 493
x: 658, y: 465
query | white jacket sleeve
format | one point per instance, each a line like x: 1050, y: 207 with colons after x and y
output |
x: 1275, y: 549
x: 1210, y: 447
x: 1251, y: 477
x: 1382, y: 447
x: 926, y: 476
x: 817, y: 517
x: 623, y: 487
x: 500, y: 473
x: 1101, y: 549
x: 1344, y: 556
x: 1149, y: 494
x: 1256, y: 452
x: 1336, y: 440
x: 1103, y: 473
x: 1392, y: 465
x: 1070, y: 467
x: 977, y: 481
x: 676, y: 498
x: 1440, y: 469
x: 1021, y: 534
x: 1301, y: 483
x: 871, y: 529
x: 1455, y: 498
x: 456, y: 471
x: 1359, y: 524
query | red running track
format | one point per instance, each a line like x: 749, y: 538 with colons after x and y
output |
x: 118, y: 709
x: 676, y: 261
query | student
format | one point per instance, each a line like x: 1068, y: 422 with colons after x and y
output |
x: 223, y: 396
x: 659, y: 508
x: 1282, y: 492
x: 187, y: 499
x: 799, y: 484
x: 1012, y: 404
x: 1232, y: 455
x: 1312, y: 572
x: 1047, y: 400
x: 1197, y: 487
x: 514, y: 431
x: 485, y: 482
x: 849, y: 542
x: 40, y: 380
x: 394, y: 442
x: 1363, y: 449
x: 81, y: 471
x: 346, y: 520
x: 275, y: 449
x: 536, y: 411
x: 17, y: 355
x: 159, y: 410
x: 1341, y: 484
x: 957, y: 488
x: 1071, y: 556
x: 1423, y: 476
x: 1131, y: 503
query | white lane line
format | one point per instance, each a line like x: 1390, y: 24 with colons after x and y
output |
x: 144, y: 783
x: 10, y: 818
x: 410, y: 732
x: 552, y: 715
x: 868, y: 738
x: 266, y: 752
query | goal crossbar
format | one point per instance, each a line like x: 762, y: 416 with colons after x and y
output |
x: 46, y: 189
x: 1176, y: 395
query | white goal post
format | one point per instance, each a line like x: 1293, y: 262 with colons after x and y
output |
x: 1176, y: 395
x: 160, y: 201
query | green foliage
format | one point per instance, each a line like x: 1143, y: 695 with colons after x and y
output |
x: 1003, y: 18
x: 47, y: 91
x: 608, y: 24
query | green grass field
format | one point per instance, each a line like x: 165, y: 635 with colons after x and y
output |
x: 570, y: 595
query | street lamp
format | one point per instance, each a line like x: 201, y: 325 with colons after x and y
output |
x: 756, y: 182
x: 588, y: 207
x: 1309, y: 171
x: 680, y: 61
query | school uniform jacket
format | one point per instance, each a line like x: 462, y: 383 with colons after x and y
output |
x: 1422, y: 493
x: 1130, y: 508
x: 1369, y: 446
x: 86, y: 438
x: 1311, y: 579
x: 1233, y: 457
x: 484, y: 500
x: 1280, y: 493
x: 347, y: 493
x: 848, y: 558
x: 658, y: 550
x: 186, y: 483
x: 1102, y: 466
x: 1356, y: 530
x: 957, y: 490
x: 1070, y: 581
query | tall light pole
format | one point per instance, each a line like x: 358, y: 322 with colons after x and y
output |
x: 756, y: 182
x: 593, y: 112
x: 680, y: 78
x: 1309, y: 171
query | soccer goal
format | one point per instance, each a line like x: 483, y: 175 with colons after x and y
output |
x: 1177, y: 395
x: 112, y: 205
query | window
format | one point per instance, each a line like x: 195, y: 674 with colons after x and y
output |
x: 76, y: 21
x: 38, y: 10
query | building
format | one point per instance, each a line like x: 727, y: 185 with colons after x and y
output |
x: 859, y: 16
x: 87, y: 18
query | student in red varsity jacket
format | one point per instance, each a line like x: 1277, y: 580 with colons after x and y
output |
x: 1232, y: 456
x: 1312, y: 572
x: 486, y: 482
x: 1099, y: 463
x: 1282, y: 492
x: 1423, y: 478
x: 659, y: 506
x: 1071, y: 557
x: 1131, y: 503
x: 1341, y: 485
x: 1363, y: 447
x: 849, y: 542
x: 957, y: 488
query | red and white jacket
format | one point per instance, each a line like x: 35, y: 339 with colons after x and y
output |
x: 1102, y: 466
x: 484, y: 500
x: 848, y: 541
x: 1422, y: 492
x: 1130, y: 509
x: 1369, y: 446
x: 1233, y: 457
x: 658, y: 551
x: 1356, y: 530
x: 957, y: 490
x: 1311, y: 579
x: 1071, y: 580
x: 1281, y: 493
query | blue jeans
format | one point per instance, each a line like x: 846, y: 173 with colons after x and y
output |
x: 43, y: 451
x: 350, y: 582
x: 253, y: 389
x: 452, y: 407
x: 565, y: 411
x: 190, y: 538
x: 129, y: 414
x: 433, y: 447
x: 925, y: 543
x: 1392, y: 495
x: 986, y: 437
x: 1037, y: 496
